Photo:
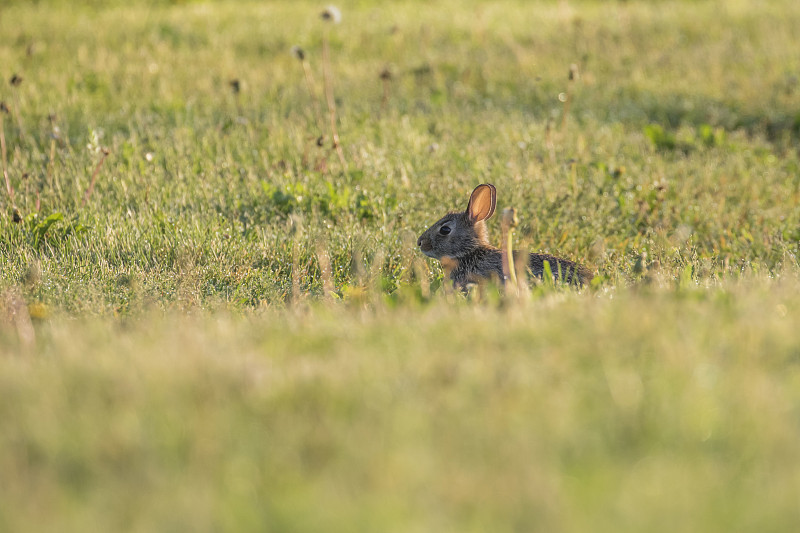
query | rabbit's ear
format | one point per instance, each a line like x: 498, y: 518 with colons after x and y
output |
x: 482, y: 202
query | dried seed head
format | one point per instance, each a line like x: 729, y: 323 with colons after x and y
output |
x: 236, y: 86
x: 4, y: 108
x: 386, y: 74
x: 332, y: 14
x: 16, y: 80
x: 298, y: 53
x: 105, y: 151
x: 509, y: 217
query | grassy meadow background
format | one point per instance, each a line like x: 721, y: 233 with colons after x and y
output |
x: 231, y: 330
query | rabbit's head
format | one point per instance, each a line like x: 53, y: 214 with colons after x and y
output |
x: 457, y: 234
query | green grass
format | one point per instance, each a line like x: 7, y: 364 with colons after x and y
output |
x: 158, y: 371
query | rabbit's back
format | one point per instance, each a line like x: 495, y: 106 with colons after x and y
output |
x: 562, y: 269
x: 486, y: 263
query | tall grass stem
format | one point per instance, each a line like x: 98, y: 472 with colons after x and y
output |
x: 9, y: 188
x: 96, y: 172
x: 327, y: 77
x: 508, y: 223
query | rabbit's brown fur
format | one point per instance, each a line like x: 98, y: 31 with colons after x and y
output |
x: 463, y: 246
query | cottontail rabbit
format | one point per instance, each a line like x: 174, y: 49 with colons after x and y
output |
x: 460, y: 241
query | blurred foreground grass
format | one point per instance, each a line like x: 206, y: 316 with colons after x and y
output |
x: 644, y: 410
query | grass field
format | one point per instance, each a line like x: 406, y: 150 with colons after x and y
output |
x: 176, y: 354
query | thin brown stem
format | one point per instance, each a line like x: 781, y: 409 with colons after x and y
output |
x: 386, y: 78
x: 313, y: 93
x: 328, y: 81
x: 572, y: 78
x: 567, y: 100
x: 96, y: 172
x: 295, y: 230
x: 326, y: 271
x: 295, y: 273
x: 9, y: 188
x: 17, y: 115
x: 51, y: 162
x: 548, y: 140
x: 385, y: 101
x: 17, y: 313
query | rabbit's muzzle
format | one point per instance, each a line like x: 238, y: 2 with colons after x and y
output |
x: 425, y: 244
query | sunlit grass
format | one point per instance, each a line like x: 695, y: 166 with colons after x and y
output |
x: 233, y: 330
x: 666, y: 150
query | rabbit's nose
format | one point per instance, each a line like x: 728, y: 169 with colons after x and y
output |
x: 419, y: 241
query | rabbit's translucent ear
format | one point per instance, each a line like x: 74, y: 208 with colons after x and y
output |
x: 482, y: 202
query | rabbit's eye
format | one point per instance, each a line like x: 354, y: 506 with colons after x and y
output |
x: 444, y: 230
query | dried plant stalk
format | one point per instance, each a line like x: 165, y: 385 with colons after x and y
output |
x: 105, y: 152
x: 328, y: 82
x: 9, y: 188
x: 508, y: 223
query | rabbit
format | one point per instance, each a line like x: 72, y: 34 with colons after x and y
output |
x: 460, y: 241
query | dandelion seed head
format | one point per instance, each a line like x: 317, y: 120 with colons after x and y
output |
x: 149, y: 157
x: 332, y: 14
x: 562, y: 97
